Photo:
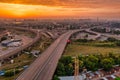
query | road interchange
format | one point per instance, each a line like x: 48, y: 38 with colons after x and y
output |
x: 44, y: 66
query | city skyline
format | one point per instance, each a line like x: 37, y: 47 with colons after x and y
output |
x: 108, y: 9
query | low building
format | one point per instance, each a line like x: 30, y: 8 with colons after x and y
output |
x: 6, y: 42
x: 97, y: 75
x: 35, y: 53
x: 14, y: 42
x: 72, y: 77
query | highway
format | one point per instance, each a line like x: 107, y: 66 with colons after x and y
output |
x: 98, y: 35
x: 95, y: 33
x: 44, y: 66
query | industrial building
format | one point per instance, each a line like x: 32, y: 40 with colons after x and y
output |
x: 12, y: 43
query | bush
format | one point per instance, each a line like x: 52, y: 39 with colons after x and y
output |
x: 9, y: 73
x: 3, y: 38
x: 111, y: 39
x: 56, y: 77
x: 82, y: 40
x: 118, y: 43
x: 118, y: 78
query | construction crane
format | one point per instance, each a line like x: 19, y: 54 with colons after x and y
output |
x: 76, y: 73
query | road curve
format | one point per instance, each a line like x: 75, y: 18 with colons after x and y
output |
x: 103, y: 34
x: 2, y: 57
x: 97, y: 34
x: 44, y: 66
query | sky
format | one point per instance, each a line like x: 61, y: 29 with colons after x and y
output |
x: 60, y: 9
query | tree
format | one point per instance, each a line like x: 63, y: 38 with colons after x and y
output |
x: 69, y: 69
x: 118, y: 43
x: 9, y: 73
x: 66, y: 60
x: 60, y: 71
x: 118, y: 78
x: 86, y: 36
x: 55, y: 77
x: 3, y: 38
x: 111, y: 55
x: 117, y: 60
x: 107, y: 63
x: 91, y: 62
x: 111, y: 39
x: 82, y: 40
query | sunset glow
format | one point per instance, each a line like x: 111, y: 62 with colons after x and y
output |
x: 11, y: 10
x: 18, y: 10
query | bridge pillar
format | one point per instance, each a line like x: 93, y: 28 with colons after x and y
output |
x: 18, y: 54
x: 0, y: 64
x: 12, y: 57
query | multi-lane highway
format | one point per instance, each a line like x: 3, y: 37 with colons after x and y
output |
x: 98, y: 35
x: 44, y: 66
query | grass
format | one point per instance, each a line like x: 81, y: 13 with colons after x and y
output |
x: 77, y: 48
x: 9, y: 78
x: 22, y: 60
x: 4, y: 48
x: 22, y: 32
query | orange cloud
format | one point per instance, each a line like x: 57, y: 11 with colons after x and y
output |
x: 59, y: 8
x: 70, y: 3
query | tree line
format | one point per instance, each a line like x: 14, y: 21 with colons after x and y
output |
x: 90, y: 62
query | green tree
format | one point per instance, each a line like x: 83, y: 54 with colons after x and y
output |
x: 55, y: 77
x: 66, y: 60
x: 111, y: 55
x: 117, y: 60
x: 3, y: 38
x: 69, y: 69
x: 118, y: 78
x: 111, y: 39
x: 118, y: 43
x: 9, y: 73
x: 91, y: 62
x: 107, y: 63
x: 60, y: 71
x: 86, y: 36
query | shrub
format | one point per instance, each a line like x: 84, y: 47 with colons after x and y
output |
x: 9, y: 73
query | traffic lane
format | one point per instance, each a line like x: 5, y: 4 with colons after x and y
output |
x: 37, y: 63
x: 33, y: 68
x: 51, y: 65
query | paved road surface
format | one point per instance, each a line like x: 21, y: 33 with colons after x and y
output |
x: 44, y: 66
x: 94, y: 37
x: 4, y: 56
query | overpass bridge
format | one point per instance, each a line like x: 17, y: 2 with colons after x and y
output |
x: 4, y: 57
x: 45, y: 65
